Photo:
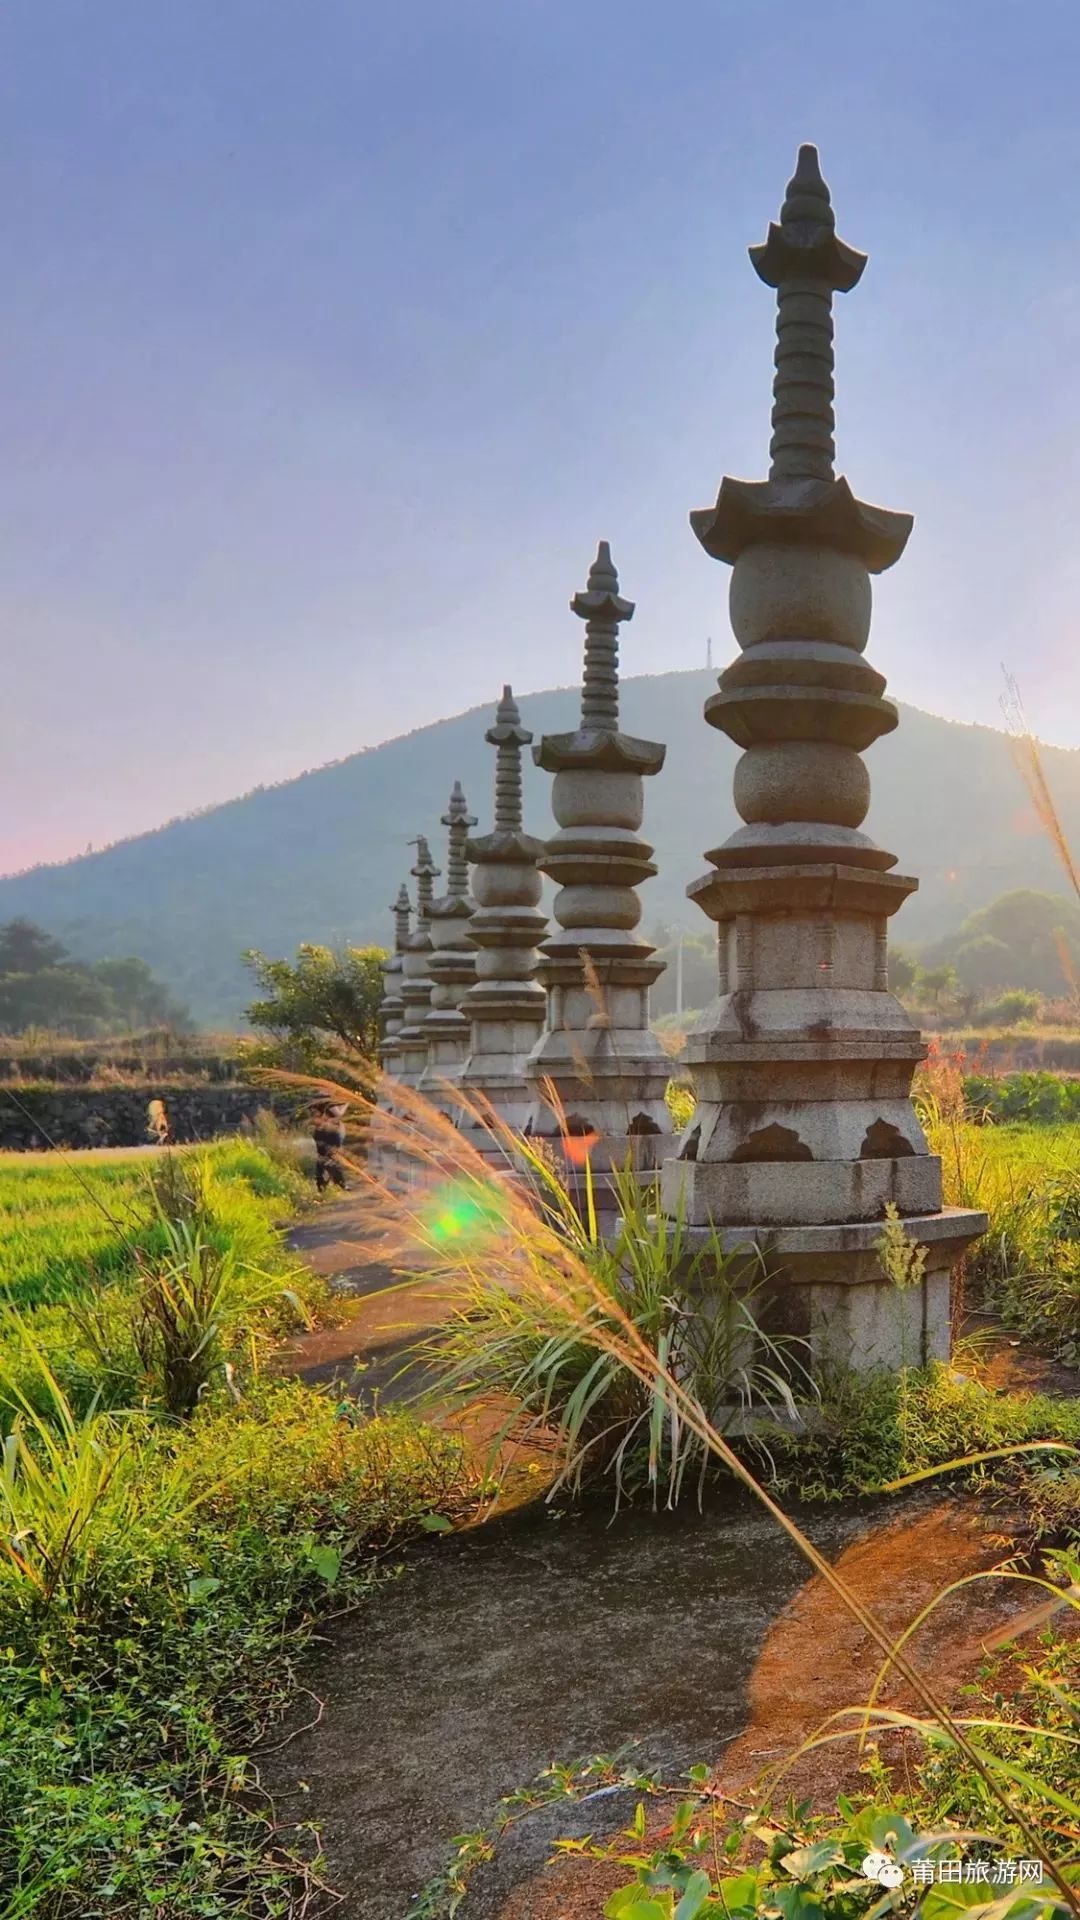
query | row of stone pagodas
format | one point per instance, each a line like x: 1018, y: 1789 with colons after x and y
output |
x: 553, y: 1036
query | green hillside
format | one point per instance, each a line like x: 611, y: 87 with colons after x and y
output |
x: 321, y: 857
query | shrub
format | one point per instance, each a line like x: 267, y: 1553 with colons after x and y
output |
x: 1009, y: 1010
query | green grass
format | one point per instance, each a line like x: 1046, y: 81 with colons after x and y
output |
x: 159, y: 1575
x: 131, y: 1696
x: 66, y: 1226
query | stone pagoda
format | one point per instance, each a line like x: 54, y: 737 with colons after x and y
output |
x: 606, y: 1067
x: 412, y: 1037
x: 452, y: 964
x: 805, y: 1129
x: 392, y: 1009
x: 507, y: 1006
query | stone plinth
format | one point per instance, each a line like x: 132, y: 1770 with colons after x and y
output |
x: 804, y: 1129
x: 452, y: 964
x: 412, y: 1037
x: 607, y: 1069
x: 507, y: 1005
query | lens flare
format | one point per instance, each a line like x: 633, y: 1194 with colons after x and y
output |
x: 461, y: 1214
x: 578, y: 1146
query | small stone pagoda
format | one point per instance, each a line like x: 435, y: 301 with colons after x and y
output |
x: 412, y: 1038
x: 507, y: 1006
x: 606, y: 1067
x: 452, y: 963
x: 392, y: 1008
x: 805, y: 1129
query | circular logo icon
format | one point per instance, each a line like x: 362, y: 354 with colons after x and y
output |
x: 882, y: 1868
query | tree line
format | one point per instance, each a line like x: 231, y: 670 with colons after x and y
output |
x: 43, y: 985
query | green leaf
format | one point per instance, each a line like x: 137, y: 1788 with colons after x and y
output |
x: 681, y: 1819
x: 806, y: 1861
x: 797, y: 1902
x: 945, y: 1901
x: 631, y: 1903
x: 739, y: 1892
x: 436, y: 1523
x: 326, y: 1562
x: 201, y: 1587
x: 695, y: 1894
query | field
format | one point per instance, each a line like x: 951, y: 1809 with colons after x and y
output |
x: 67, y: 1226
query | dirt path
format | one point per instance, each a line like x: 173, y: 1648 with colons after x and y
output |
x: 385, y: 1314
x: 702, y: 1638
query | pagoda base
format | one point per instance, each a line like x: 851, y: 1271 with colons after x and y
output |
x: 825, y: 1284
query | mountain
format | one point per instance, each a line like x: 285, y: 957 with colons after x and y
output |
x: 320, y: 857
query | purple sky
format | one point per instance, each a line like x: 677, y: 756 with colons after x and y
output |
x: 334, y: 336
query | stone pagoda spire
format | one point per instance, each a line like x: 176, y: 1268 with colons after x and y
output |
x: 412, y: 1038
x: 453, y: 961
x: 607, y: 1068
x: 507, y: 1005
x: 392, y: 1010
x: 804, y: 1128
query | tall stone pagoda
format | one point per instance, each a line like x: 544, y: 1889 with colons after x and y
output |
x: 507, y: 1006
x: 392, y: 1009
x: 805, y: 1128
x: 452, y: 965
x: 608, y: 1070
x: 412, y: 1037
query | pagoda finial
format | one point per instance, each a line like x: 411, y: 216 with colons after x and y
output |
x: 806, y: 263
x: 602, y: 610
x: 457, y: 819
x: 807, y: 198
x: 425, y: 873
x: 509, y: 736
x: 401, y: 911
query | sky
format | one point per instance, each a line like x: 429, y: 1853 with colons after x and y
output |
x: 333, y: 336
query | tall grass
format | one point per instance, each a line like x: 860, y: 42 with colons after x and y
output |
x: 475, y: 1227
x: 547, y: 1352
x: 72, y: 1484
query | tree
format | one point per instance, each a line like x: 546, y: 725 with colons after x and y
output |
x: 985, y: 963
x: 63, y: 999
x: 27, y: 949
x: 320, y: 1000
x: 43, y: 985
x: 140, y: 999
x: 1023, y: 939
x: 903, y: 970
x: 938, y: 981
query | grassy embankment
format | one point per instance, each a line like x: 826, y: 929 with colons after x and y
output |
x: 171, y: 1522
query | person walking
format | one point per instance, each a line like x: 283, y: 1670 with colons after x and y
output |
x: 328, y: 1133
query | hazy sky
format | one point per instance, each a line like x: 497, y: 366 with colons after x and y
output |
x: 335, y: 335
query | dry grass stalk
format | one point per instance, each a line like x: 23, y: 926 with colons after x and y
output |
x: 464, y: 1218
x: 1027, y: 754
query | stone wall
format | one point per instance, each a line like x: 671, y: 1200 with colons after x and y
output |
x: 116, y: 1116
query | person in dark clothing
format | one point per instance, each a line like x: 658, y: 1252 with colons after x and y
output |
x: 328, y: 1133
